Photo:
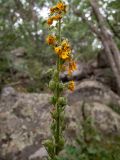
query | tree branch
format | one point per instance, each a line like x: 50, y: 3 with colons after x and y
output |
x: 106, y: 33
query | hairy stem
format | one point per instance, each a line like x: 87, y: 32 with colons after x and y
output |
x: 58, y: 94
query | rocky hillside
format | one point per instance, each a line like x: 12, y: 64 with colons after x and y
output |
x: 25, y: 118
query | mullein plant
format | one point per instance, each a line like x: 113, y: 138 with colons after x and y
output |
x: 64, y: 62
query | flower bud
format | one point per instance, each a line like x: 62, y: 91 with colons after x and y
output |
x: 61, y: 86
x: 54, y: 114
x: 53, y: 100
x: 49, y: 147
x: 61, y: 142
x: 62, y: 101
x: 52, y: 85
x: 50, y: 71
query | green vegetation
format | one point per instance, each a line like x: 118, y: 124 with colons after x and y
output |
x: 90, y: 145
x: 22, y: 24
x: 114, y: 107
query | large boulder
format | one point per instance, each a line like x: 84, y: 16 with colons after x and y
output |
x: 24, y: 123
x: 25, y: 118
x: 92, y: 90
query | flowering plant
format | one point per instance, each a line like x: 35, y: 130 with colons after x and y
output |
x: 65, y: 62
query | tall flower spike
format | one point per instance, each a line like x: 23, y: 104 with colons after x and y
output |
x: 64, y: 61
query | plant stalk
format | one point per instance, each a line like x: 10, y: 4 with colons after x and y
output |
x: 58, y: 95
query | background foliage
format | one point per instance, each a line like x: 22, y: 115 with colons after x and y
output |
x: 23, y: 24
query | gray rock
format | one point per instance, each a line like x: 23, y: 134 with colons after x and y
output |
x: 24, y: 124
x: 8, y: 90
x: 25, y: 118
x: 19, y: 52
x: 39, y: 154
x: 92, y: 90
x: 104, y: 118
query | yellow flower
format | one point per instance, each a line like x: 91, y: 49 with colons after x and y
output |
x: 72, y: 67
x: 57, y: 17
x: 51, y: 40
x: 64, y: 42
x: 50, y: 21
x: 71, y: 85
x: 61, y: 6
x: 66, y: 46
x: 58, y: 50
x: 53, y: 9
x: 64, y: 55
